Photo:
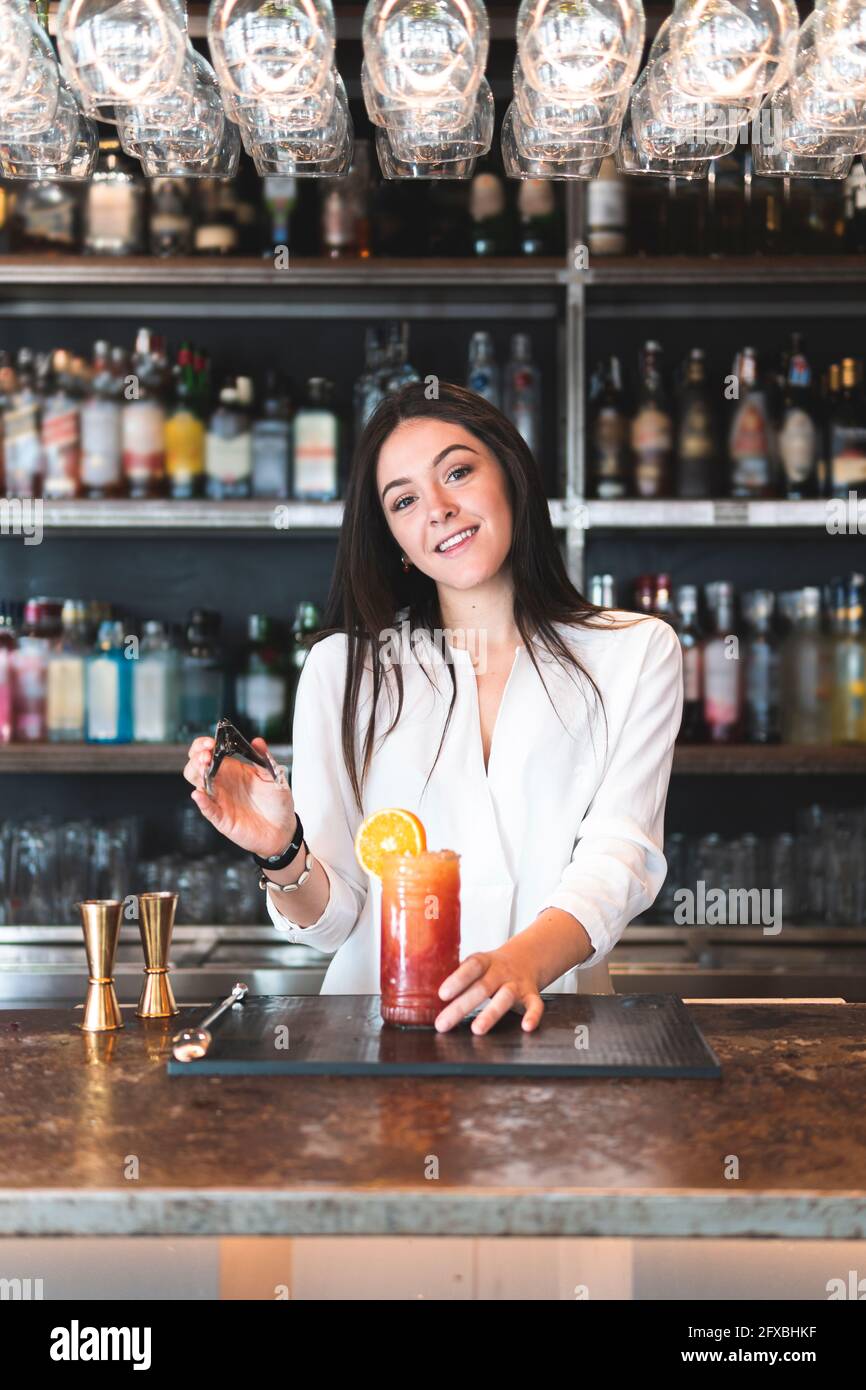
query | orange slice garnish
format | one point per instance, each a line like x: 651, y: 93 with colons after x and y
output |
x: 389, y: 831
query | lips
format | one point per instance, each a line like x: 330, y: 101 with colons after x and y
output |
x: 460, y: 544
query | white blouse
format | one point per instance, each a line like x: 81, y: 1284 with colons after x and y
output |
x: 569, y: 817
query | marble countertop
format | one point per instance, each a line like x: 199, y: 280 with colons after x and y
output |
x: 97, y: 1139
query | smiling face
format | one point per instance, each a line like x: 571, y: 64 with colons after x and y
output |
x: 434, y: 480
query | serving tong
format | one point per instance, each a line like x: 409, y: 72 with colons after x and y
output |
x: 229, y: 742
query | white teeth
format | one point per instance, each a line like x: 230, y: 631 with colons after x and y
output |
x: 455, y: 540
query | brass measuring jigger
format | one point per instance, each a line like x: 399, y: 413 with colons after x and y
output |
x: 100, y: 921
x: 156, y: 924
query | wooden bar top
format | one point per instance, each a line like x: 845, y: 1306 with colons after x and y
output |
x: 98, y: 1139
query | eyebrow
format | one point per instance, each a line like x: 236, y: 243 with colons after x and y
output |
x: 398, y: 482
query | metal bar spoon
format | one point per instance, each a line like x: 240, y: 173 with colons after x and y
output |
x: 191, y: 1043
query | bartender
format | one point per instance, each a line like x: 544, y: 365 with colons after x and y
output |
x: 459, y: 674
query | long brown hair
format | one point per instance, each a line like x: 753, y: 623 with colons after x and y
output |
x: 369, y: 586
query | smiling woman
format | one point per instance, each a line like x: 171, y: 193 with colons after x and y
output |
x: 545, y: 766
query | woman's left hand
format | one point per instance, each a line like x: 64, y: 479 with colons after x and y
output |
x: 505, y: 976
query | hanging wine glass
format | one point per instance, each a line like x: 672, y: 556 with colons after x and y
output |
x: 732, y: 50
x: 424, y: 54
x: 269, y: 51
x: 121, y: 50
x: 570, y: 50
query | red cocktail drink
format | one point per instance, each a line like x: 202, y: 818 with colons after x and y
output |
x: 420, y: 933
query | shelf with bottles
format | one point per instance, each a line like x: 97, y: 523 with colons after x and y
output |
x: 690, y: 760
x: 765, y: 427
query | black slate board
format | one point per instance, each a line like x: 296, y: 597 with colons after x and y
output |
x: 343, y: 1035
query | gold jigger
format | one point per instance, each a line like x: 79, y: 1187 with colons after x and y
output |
x: 100, y: 920
x: 156, y: 924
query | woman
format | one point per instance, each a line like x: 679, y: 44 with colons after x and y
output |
x: 529, y: 730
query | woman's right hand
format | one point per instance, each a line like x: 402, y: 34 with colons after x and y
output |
x: 247, y: 806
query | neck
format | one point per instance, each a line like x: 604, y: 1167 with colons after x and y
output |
x: 484, y: 613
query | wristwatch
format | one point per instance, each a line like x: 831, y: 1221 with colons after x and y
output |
x: 275, y: 862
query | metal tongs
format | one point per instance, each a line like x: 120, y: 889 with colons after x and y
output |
x: 229, y: 742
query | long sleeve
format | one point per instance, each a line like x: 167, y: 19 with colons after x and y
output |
x: 324, y: 801
x: 618, y: 866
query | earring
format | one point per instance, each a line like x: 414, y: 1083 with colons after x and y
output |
x: 407, y: 564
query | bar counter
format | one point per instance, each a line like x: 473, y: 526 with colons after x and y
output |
x: 312, y: 1156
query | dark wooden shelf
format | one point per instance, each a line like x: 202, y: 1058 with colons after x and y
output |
x: 689, y: 760
x: 666, y: 271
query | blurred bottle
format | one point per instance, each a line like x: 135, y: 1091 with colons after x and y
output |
x: 537, y: 218
x: 652, y: 428
x: 8, y: 644
x: 762, y: 669
x: 483, y: 374
x: 800, y: 429
x: 272, y: 441
x: 602, y: 590
x: 307, y: 621
x: 607, y: 212
x: 849, y: 663
x: 170, y: 223
x: 345, y: 230
x: 185, y: 432
x: 65, y: 714
x: 847, y: 436
x: 156, y: 687
x: 752, y: 446
x: 228, y: 444
x: 522, y: 401
x: 202, y: 697
x: 100, y: 424
x: 491, y: 225
x: 316, y: 444
x: 692, y: 727
x: 609, y: 457
x: 22, y: 442
x: 723, y: 671
x: 109, y: 687
x: 369, y: 388
x: 697, y: 451
x: 261, y: 694
x: 216, y: 226
x: 114, y: 204
x: 143, y: 418
x: 280, y: 196
x: 61, y: 430
x: 807, y: 674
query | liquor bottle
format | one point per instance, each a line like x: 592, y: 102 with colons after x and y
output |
x: 156, y: 687
x: 652, y: 429
x: 369, y: 389
x: 345, y: 232
x: 607, y: 212
x: 692, y: 727
x: 609, y: 458
x: 202, y: 695
x: 537, y: 219
x: 762, y: 669
x: 764, y: 212
x: 8, y: 644
x: 316, y: 444
x: 228, y: 447
x: 800, y: 431
x: 101, y: 436
x: 726, y: 206
x: 260, y: 689
x: 109, y: 687
x: 807, y: 674
x: 697, y: 467
x: 22, y: 442
x: 65, y: 678
x: 522, y: 396
x: 723, y: 671
x: 849, y: 664
x: 184, y: 432
x: 61, y: 431
x: 143, y: 420
x: 847, y: 436
x: 752, y: 446
x: 170, y: 224
x: 280, y: 196
x: 483, y: 374
x: 645, y: 593
x: 272, y: 441
x: 855, y: 208
x: 397, y: 370
x: 216, y: 229
x: 307, y: 621
x: 39, y: 637
x: 114, y: 204
x: 491, y: 226
x: 602, y: 590
x: 46, y: 218
x: 663, y: 600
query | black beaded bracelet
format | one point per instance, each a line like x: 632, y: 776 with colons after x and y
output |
x: 282, y: 861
